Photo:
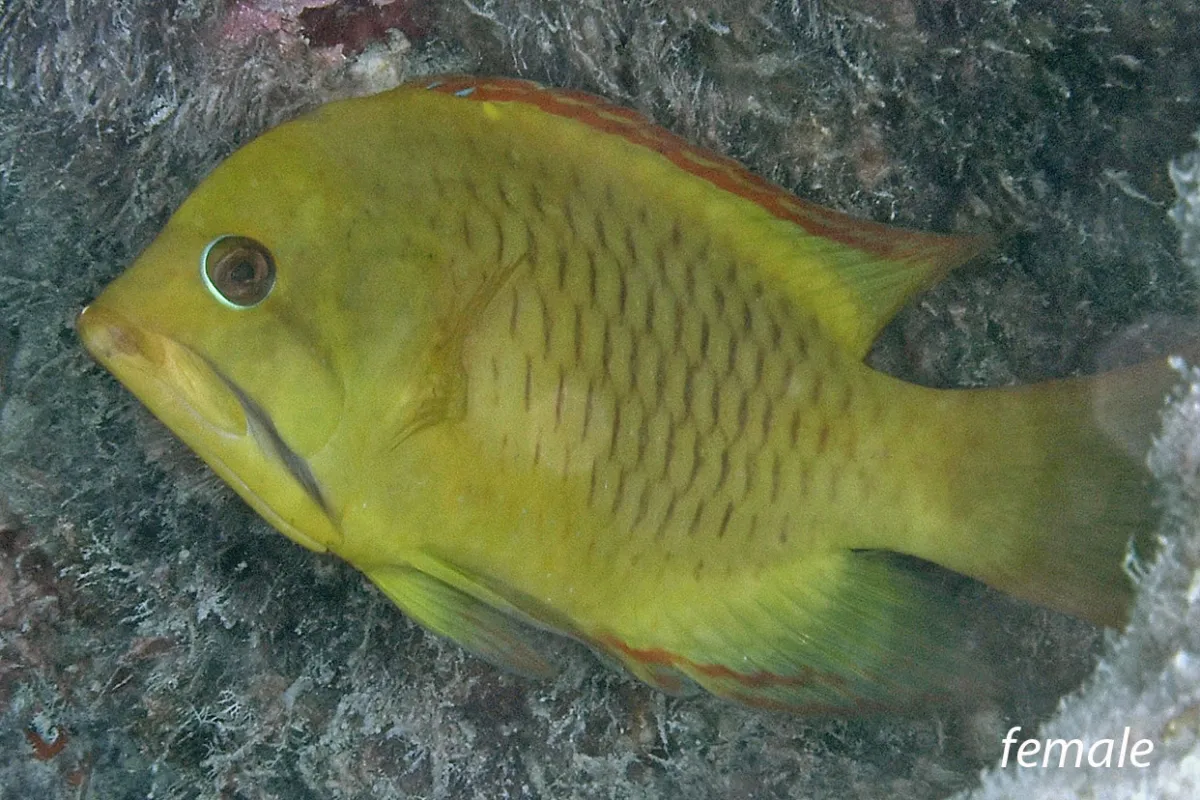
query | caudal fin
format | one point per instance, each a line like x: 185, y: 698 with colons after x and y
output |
x: 1052, y: 491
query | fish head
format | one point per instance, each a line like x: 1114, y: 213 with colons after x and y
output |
x: 241, y: 326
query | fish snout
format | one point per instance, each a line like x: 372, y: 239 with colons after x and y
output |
x: 107, y: 337
x: 167, y: 376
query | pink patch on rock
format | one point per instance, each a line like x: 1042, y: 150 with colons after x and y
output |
x: 355, y: 24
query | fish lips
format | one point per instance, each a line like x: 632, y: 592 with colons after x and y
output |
x: 218, y: 420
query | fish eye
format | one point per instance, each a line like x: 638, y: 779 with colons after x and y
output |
x: 239, y: 271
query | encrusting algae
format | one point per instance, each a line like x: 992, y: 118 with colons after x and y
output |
x: 524, y: 358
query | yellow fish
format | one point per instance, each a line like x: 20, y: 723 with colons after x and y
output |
x: 524, y: 358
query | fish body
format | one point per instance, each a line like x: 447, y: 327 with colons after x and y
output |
x: 524, y: 358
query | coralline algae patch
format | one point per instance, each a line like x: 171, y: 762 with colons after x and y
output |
x: 350, y: 25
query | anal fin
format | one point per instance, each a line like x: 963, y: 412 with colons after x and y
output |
x: 854, y: 632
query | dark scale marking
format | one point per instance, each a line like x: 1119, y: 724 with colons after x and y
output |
x: 535, y: 195
x: 747, y: 318
x: 719, y: 298
x: 468, y: 237
x: 635, y: 349
x: 794, y: 428
x: 689, y: 279
x: 759, y: 364
x: 731, y: 274
x: 619, y: 494
x: 776, y: 335
x: 694, y: 526
x: 631, y: 246
x: 616, y: 430
x: 622, y: 292
x: 688, y: 379
x: 558, y: 398
x: 513, y: 314
x: 789, y: 375
x: 505, y: 195
x: 668, y: 450
x: 643, y: 215
x: 743, y: 413
x: 592, y: 484
x: 723, y: 473
x: 677, y: 334
x: 643, y: 437
x: 660, y: 377
x: 731, y: 362
x: 537, y: 449
x: 606, y: 350
x: 609, y: 198
x: 767, y: 418
x: 648, y: 322
x: 500, y: 240
x: 676, y: 235
x: 566, y: 462
x: 776, y: 477
x: 547, y: 325
x: 818, y: 388
x: 602, y: 233
x: 578, y: 335
x: 532, y: 252
x: 714, y: 403
x: 725, y: 520
x: 587, y: 410
x: 704, y: 335
x: 655, y: 386
x: 591, y: 259
x: 562, y: 269
x: 697, y: 460
x: 783, y: 528
x: 660, y: 261
x: 528, y: 382
x: 751, y: 475
x: 569, y: 216
x: 667, y: 515
x: 643, y: 505
x: 750, y: 534
x: 823, y: 437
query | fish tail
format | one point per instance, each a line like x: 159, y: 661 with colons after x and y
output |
x: 1050, y: 495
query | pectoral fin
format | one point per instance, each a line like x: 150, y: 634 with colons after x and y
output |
x: 481, y: 628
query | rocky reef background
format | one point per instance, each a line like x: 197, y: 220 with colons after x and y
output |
x: 158, y: 640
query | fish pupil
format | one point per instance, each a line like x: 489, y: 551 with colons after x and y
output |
x: 243, y: 272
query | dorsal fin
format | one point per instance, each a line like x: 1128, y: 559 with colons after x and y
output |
x: 881, y: 265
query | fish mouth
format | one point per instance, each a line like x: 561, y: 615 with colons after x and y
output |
x: 214, y: 416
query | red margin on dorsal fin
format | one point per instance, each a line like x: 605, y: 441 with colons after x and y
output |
x: 884, y: 241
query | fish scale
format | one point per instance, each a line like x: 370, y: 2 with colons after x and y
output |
x: 524, y: 358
